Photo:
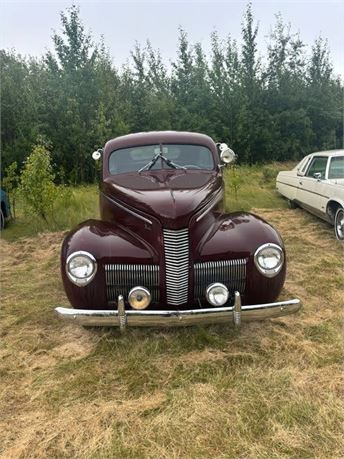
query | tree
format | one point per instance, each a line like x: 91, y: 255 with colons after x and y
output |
x: 18, y: 114
x: 10, y: 183
x: 323, y: 97
x: 275, y: 109
x: 74, y: 94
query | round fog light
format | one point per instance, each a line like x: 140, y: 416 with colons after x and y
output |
x: 139, y: 298
x: 217, y: 294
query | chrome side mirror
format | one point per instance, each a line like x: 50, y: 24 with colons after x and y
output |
x: 96, y: 155
x: 317, y: 175
x: 226, y: 154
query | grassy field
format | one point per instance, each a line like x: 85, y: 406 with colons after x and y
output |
x: 268, y: 390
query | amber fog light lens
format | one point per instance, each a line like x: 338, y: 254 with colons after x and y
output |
x: 81, y: 268
x: 139, y: 298
x: 217, y: 294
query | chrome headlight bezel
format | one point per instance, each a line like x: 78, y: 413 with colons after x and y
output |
x: 81, y: 281
x: 269, y: 272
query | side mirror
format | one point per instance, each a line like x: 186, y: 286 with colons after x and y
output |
x: 317, y: 175
x: 96, y: 155
x: 226, y: 154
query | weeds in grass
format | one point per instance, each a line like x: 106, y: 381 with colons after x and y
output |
x: 71, y: 207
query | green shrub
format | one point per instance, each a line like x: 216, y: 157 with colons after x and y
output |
x: 269, y: 174
x: 37, y: 188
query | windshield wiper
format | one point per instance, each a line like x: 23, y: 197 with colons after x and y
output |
x: 155, y: 159
x: 151, y: 162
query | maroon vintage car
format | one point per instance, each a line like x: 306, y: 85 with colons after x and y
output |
x: 164, y: 251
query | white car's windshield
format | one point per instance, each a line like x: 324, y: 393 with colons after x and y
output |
x: 185, y: 156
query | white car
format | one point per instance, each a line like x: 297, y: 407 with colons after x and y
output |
x: 317, y: 185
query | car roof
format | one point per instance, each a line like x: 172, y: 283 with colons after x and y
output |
x: 156, y: 137
x: 328, y: 153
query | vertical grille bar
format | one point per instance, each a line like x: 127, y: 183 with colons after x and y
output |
x: 231, y: 273
x: 121, y: 278
x: 176, y: 247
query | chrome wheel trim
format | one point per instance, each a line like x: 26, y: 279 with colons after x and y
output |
x: 339, y: 224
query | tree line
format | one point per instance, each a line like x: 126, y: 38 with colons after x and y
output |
x: 74, y: 98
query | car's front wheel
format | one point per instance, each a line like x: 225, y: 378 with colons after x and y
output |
x: 339, y: 224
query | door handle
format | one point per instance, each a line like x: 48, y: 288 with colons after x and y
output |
x: 300, y: 182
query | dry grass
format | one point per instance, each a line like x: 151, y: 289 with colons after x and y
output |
x: 270, y: 390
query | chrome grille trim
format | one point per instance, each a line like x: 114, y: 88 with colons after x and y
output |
x: 121, y: 278
x: 176, y: 248
x: 231, y: 273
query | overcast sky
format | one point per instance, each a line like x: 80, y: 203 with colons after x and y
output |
x: 27, y: 26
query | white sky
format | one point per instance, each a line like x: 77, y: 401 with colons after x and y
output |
x: 27, y: 26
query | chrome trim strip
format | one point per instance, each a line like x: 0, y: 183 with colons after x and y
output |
x: 179, y: 318
x: 303, y: 189
x: 210, y: 205
x: 127, y: 209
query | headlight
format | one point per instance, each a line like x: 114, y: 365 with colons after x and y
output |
x: 139, y: 298
x: 81, y: 268
x: 217, y: 294
x: 269, y: 259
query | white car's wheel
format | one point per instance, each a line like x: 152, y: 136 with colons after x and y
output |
x: 292, y: 204
x: 339, y: 224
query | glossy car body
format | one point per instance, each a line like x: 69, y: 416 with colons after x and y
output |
x: 164, y: 229
x: 317, y: 185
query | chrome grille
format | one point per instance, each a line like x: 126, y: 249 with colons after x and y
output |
x: 121, y: 278
x: 176, y: 246
x: 231, y: 273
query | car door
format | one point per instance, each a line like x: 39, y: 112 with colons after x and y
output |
x: 287, y: 182
x: 311, y: 192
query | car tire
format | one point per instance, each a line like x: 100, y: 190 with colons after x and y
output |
x: 339, y: 224
x: 292, y: 204
x: 2, y: 220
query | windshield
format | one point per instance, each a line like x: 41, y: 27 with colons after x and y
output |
x: 135, y: 158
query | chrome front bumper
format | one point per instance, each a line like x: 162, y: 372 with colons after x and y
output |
x: 235, y: 314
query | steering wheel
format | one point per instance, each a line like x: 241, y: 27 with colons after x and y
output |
x: 192, y: 165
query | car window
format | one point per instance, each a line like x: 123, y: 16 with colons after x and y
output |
x: 336, y: 169
x: 134, y: 158
x: 305, y: 165
x: 317, y: 165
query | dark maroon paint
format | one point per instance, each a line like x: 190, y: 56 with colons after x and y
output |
x: 136, y: 207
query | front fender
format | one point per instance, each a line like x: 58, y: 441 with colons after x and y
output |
x: 105, y: 242
x: 237, y: 236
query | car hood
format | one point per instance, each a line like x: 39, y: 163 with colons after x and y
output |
x: 171, y: 196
